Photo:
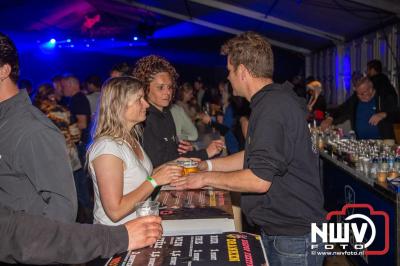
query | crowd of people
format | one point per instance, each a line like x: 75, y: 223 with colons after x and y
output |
x: 119, y: 139
x: 83, y: 136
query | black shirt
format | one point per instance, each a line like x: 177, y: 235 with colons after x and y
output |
x: 279, y: 149
x: 160, y: 140
x: 79, y: 105
x: 383, y: 86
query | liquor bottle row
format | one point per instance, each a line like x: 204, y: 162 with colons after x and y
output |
x: 374, y: 158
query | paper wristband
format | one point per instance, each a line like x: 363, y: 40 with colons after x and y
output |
x: 209, y: 165
x: 152, y: 181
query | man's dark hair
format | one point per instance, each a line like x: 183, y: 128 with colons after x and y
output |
x: 9, y: 55
x: 253, y: 51
x: 375, y: 64
x: 95, y: 80
x: 56, y: 78
x: 363, y: 80
x: 124, y: 68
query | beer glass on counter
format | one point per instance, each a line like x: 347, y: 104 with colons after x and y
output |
x: 188, y: 166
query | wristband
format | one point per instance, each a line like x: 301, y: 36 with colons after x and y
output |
x: 152, y: 181
x: 209, y: 165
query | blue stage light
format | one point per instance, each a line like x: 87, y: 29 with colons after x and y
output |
x: 135, y: 38
x: 68, y: 40
x: 51, y: 44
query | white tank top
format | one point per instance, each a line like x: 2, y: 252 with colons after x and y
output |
x: 135, y: 174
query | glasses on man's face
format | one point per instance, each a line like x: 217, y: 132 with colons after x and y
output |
x: 365, y: 95
x: 364, y: 91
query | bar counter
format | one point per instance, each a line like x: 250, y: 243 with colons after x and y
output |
x: 343, y: 184
x: 199, y: 230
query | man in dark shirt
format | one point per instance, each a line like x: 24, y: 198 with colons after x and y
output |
x: 381, y: 82
x: 79, y: 107
x: 277, y: 172
x: 35, y: 175
x: 58, y: 91
x: 371, y: 113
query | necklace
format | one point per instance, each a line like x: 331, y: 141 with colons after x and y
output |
x: 132, y: 145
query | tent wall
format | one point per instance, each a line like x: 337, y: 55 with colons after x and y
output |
x: 334, y: 66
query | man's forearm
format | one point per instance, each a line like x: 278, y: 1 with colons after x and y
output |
x: 240, y: 181
x: 37, y: 240
x: 229, y: 163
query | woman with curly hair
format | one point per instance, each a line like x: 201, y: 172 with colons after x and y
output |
x: 121, y: 171
x: 159, y: 138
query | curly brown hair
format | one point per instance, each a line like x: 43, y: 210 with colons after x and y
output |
x: 149, y: 66
x: 253, y: 51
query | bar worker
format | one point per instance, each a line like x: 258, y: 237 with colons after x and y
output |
x: 277, y: 172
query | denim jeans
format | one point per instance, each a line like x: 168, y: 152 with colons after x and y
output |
x: 292, y: 250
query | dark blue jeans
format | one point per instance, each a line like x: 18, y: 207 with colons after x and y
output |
x: 292, y: 250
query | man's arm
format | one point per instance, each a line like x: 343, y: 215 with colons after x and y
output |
x: 37, y: 240
x: 340, y: 113
x: 343, y: 112
x: 240, y: 181
x: 232, y: 162
x: 267, y: 157
x: 43, y: 158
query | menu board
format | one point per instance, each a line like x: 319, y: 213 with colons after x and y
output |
x: 231, y: 248
x: 195, y: 204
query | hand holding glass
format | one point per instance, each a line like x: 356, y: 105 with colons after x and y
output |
x: 188, y: 167
x: 145, y: 208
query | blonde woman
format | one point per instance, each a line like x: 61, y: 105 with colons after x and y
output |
x: 121, y: 171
